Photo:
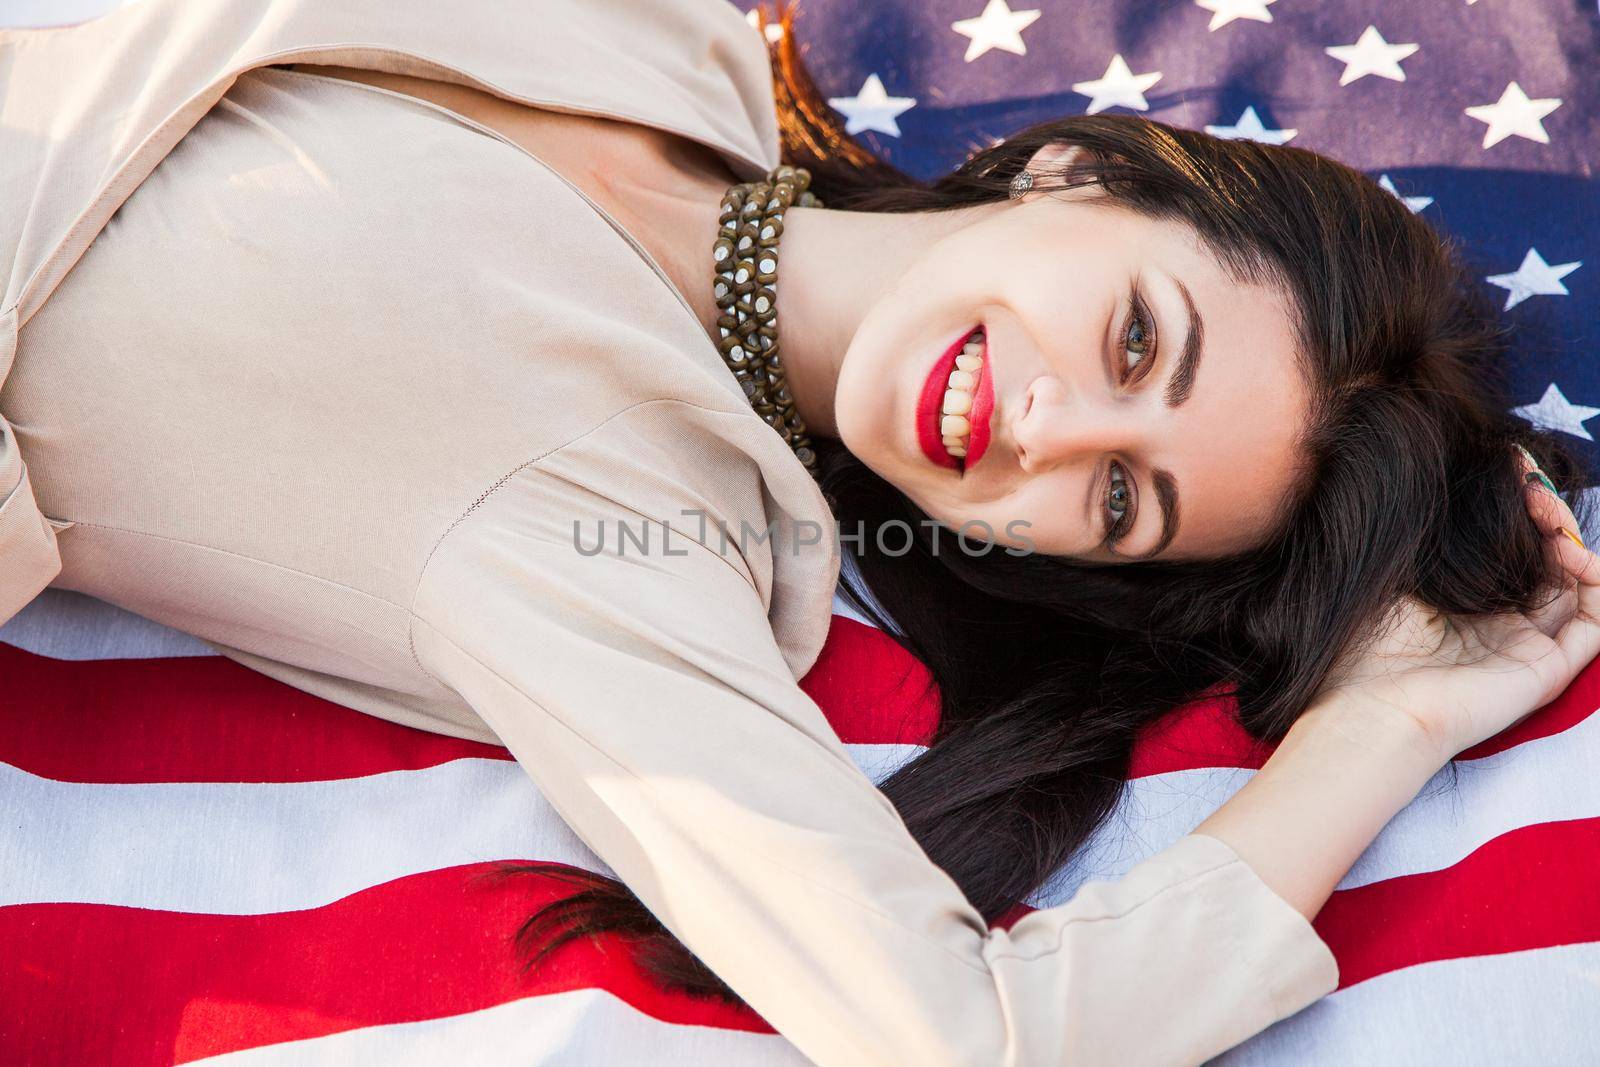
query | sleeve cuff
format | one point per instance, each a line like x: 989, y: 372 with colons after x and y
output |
x: 1292, y: 965
x: 29, y: 557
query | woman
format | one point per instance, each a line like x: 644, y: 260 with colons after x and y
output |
x: 335, y: 342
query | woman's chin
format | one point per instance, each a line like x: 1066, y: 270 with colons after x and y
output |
x: 868, y: 445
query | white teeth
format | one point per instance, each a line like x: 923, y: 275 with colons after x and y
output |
x: 957, y: 402
x: 954, y: 427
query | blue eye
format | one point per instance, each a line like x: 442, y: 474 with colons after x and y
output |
x: 1119, y: 501
x: 1138, y: 339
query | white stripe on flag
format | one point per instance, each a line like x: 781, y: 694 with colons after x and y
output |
x: 1536, y: 1007
x: 65, y: 625
x: 245, y: 848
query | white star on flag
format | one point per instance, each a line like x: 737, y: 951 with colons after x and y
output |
x: 1534, y: 278
x: 872, y: 108
x: 1249, y: 127
x: 1225, y: 11
x: 1514, y: 113
x: 1118, y: 85
x: 1371, y: 54
x: 1415, y: 203
x: 998, y: 27
x: 1556, y: 412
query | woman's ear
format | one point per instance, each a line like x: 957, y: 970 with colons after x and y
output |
x: 1054, y: 156
x: 1053, y: 161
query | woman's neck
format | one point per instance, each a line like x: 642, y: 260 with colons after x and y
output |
x: 677, y: 225
x: 836, y: 265
x: 833, y: 267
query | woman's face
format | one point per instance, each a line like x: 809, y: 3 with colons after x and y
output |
x: 1086, y: 438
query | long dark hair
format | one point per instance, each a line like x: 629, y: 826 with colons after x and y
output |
x: 1410, y: 486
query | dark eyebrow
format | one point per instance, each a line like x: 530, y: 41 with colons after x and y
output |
x: 1182, y: 379
x: 1167, y: 497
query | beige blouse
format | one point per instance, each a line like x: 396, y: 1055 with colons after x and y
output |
x: 344, y: 383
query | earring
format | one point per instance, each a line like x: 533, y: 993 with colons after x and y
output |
x: 1020, y: 185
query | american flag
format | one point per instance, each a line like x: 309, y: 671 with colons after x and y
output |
x: 200, y: 864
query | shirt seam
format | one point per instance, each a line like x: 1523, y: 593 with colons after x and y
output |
x: 244, y: 556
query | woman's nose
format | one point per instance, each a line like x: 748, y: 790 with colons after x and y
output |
x: 1052, y: 428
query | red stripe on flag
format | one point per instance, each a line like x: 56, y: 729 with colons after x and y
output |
x: 1206, y: 733
x: 872, y: 690
x: 194, y: 719
x: 209, y: 719
x: 1530, y: 888
x: 159, y: 987
x: 1200, y: 734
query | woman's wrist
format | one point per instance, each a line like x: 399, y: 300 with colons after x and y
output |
x: 1345, y: 768
x: 1361, y: 721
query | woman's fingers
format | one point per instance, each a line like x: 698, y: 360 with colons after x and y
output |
x: 1548, y: 511
x: 1543, y: 506
x: 1551, y: 515
x: 1547, y: 519
x: 1562, y: 516
x: 1581, y: 563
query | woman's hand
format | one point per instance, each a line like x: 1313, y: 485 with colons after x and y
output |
x: 1464, y: 680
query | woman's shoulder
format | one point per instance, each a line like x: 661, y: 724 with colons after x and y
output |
x: 119, y: 92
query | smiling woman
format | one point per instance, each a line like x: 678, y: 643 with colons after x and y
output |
x: 1082, y: 322
x: 1222, y: 405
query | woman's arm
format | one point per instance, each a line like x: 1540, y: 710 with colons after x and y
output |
x: 1424, y: 690
x: 1335, y: 780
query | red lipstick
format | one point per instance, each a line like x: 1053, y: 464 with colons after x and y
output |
x: 931, y: 403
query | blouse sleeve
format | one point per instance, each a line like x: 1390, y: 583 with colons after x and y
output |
x: 646, y: 696
x: 29, y: 556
